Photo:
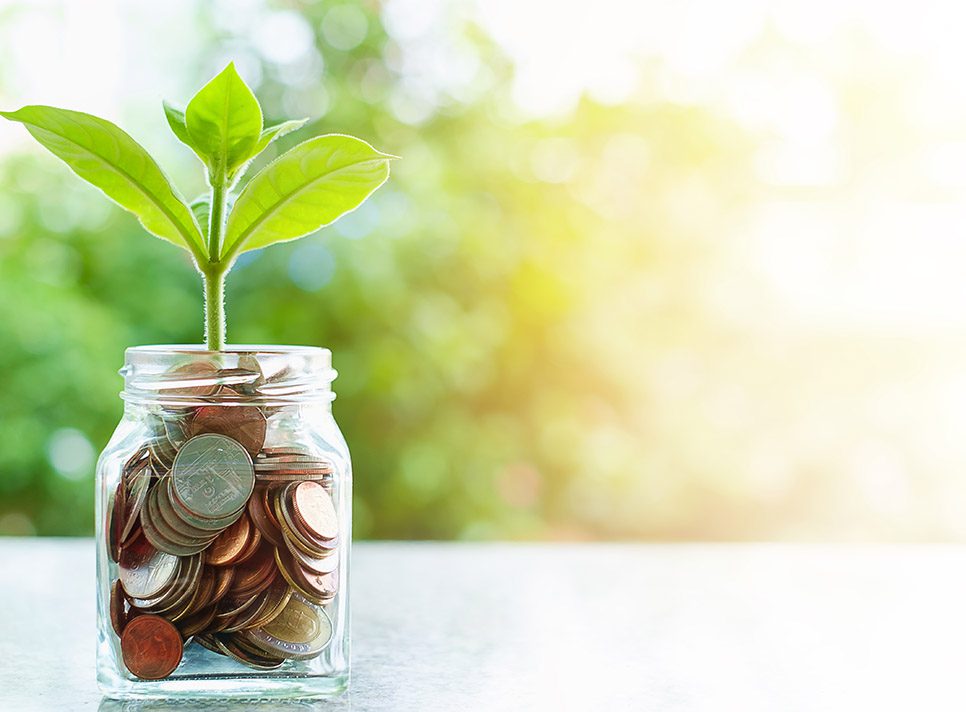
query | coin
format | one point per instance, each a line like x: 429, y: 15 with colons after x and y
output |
x: 187, y: 525
x: 144, y: 571
x: 252, y: 613
x: 276, y: 597
x: 300, y: 632
x: 255, y: 574
x: 246, y: 424
x: 326, y: 565
x: 256, y: 510
x: 317, y: 588
x: 151, y: 647
x: 229, y: 646
x: 197, y: 622
x: 193, y: 379
x: 137, y: 484
x: 164, y: 538
x: 223, y: 581
x: 254, y: 544
x: 203, y: 592
x: 116, y: 605
x: 212, y: 476
x: 313, y: 510
x: 163, y: 452
x: 312, y: 546
x: 114, y: 524
x: 230, y: 544
x: 172, y: 509
x: 185, y: 581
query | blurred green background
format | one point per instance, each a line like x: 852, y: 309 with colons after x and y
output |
x: 631, y: 279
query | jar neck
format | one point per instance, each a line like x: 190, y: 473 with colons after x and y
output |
x: 189, y: 376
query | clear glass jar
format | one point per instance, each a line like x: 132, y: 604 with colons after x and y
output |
x: 223, y: 527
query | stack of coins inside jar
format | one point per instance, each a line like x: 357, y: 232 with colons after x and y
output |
x: 221, y: 539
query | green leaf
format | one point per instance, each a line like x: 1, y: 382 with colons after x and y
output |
x: 175, y: 117
x: 201, y: 207
x: 105, y: 156
x: 277, y: 131
x: 306, y: 188
x: 224, y: 122
x: 268, y: 135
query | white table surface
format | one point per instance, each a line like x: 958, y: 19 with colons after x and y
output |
x: 568, y: 627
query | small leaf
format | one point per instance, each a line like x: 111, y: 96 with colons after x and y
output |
x: 175, y: 117
x: 306, y: 188
x: 277, y: 131
x: 224, y: 122
x: 201, y: 207
x: 105, y: 156
x: 268, y: 136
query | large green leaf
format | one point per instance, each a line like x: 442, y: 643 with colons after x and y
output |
x: 105, y: 156
x: 306, y: 188
x: 224, y: 122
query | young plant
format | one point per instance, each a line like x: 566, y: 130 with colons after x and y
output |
x: 304, y: 189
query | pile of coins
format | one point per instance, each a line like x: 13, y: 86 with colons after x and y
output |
x: 220, y: 539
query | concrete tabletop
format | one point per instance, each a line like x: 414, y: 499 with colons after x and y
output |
x: 568, y: 627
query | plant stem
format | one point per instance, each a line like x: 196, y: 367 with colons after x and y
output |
x: 214, y: 271
x: 215, y: 310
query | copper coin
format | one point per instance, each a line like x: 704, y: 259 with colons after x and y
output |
x: 254, y: 543
x: 250, y: 576
x: 206, y: 590
x: 313, y: 510
x: 223, y: 581
x: 269, y: 495
x: 311, y: 545
x: 194, y: 379
x: 151, y: 647
x: 246, y: 424
x: 118, y: 615
x: 256, y: 510
x: 297, y: 577
x: 230, y: 544
x: 232, y: 607
x: 197, y: 622
x: 251, y: 613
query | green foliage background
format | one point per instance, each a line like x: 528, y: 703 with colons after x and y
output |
x: 490, y: 328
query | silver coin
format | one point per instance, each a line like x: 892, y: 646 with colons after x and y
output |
x: 212, y: 475
x: 145, y: 572
x: 138, y: 482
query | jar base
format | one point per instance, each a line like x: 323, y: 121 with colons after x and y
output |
x: 209, y: 679
x: 235, y: 687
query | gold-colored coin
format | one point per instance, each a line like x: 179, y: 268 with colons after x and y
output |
x: 300, y: 632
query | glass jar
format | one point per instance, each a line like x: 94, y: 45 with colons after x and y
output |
x: 223, y: 527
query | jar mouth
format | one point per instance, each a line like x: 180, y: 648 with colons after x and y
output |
x: 192, y: 349
x: 185, y: 375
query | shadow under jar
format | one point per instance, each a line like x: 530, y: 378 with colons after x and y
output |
x: 223, y: 527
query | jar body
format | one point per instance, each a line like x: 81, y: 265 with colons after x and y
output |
x: 223, y: 528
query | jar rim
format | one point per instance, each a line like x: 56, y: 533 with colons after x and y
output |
x: 240, y: 374
x: 196, y: 349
